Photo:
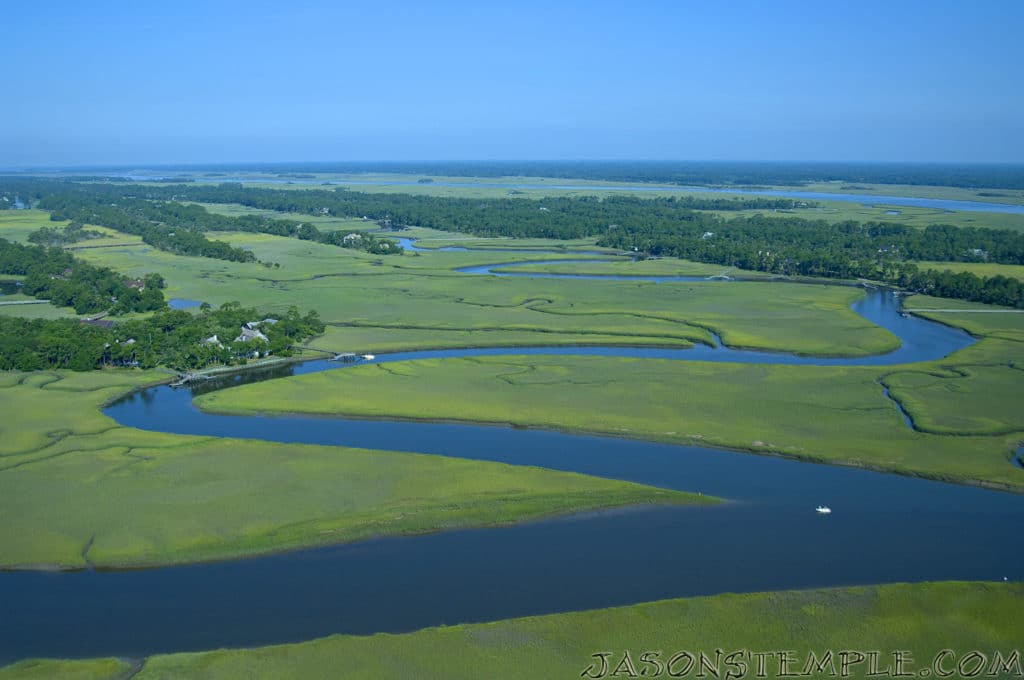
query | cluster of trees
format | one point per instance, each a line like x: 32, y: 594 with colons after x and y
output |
x: 167, y: 338
x: 173, y: 226
x: 675, y: 226
x: 35, y: 344
x: 138, y: 217
x: 69, y: 282
x: 798, y: 246
x: 199, y: 219
x: 555, y: 217
x: 877, y: 251
x: 72, y: 233
x: 350, y: 239
x: 996, y: 290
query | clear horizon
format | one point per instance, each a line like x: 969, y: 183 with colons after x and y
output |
x: 251, y: 83
x: 254, y: 166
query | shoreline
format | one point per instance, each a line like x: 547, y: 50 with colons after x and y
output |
x: 688, y: 500
x: 700, y: 443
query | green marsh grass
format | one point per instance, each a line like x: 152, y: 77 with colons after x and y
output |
x: 921, y: 619
x: 70, y: 478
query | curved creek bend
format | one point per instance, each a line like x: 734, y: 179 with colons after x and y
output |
x: 884, y: 528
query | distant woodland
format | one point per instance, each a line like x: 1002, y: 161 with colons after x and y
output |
x: 683, y: 227
x: 692, y: 173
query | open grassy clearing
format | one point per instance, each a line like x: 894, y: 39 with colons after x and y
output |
x: 427, y: 238
x: 1015, y: 271
x: 978, y: 319
x: 39, y: 310
x: 377, y: 339
x: 113, y: 239
x: 654, y: 267
x: 16, y: 225
x: 1011, y: 196
x: 79, y: 669
x: 321, y: 222
x: 979, y: 393
x: 921, y: 619
x: 945, y: 401
x: 76, y: 489
x: 823, y: 413
x: 841, y: 211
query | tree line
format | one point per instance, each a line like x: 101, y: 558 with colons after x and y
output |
x: 72, y: 233
x: 177, y: 227
x: 673, y: 226
x: 736, y: 173
x: 138, y: 217
x: 550, y: 217
x: 66, y: 281
x: 876, y: 251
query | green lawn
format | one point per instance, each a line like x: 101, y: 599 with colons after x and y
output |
x: 918, y: 620
x: 77, y: 489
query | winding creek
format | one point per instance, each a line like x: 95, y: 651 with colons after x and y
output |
x: 884, y: 528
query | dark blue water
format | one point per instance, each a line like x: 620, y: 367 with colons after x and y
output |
x: 884, y: 528
x: 183, y: 303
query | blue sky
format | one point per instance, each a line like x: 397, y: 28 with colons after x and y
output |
x: 183, y: 82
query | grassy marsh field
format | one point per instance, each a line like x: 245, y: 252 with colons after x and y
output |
x: 841, y: 211
x: 1015, y: 271
x: 1010, y: 196
x: 321, y: 222
x: 16, y: 225
x: 421, y: 292
x: 831, y: 211
x: 915, y: 618
x: 120, y: 497
x: 411, y: 183
x: 651, y: 267
x: 800, y: 411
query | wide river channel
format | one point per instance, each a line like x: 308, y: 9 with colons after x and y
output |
x: 883, y: 528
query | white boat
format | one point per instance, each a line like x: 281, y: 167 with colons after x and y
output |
x: 369, y: 357
x: 823, y: 510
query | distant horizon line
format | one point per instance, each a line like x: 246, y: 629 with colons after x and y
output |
x: 500, y: 161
